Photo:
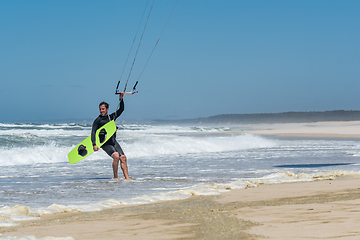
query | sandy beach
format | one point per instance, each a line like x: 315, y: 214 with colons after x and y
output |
x: 311, y: 210
x: 326, y: 209
x: 350, y: 129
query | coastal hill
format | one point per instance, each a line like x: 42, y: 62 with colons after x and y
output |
x: 286, y: 117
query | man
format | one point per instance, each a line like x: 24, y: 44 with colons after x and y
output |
x: 111, y: 147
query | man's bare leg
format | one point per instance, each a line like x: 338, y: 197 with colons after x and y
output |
x: 123, y: 165
x: 115, y: 163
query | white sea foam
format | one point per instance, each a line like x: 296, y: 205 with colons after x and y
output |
x: 44, y: 132
x: 37, y: 154
x: 164, y: 145
x: 10, y: 215
x: 157, y: 145
x: 167, y: 162
x: 45, y: 125
x: 16, y: 213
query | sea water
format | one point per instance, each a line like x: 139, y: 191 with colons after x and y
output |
x: 166, y: 162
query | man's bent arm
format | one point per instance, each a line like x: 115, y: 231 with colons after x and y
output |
x: 118, y: 112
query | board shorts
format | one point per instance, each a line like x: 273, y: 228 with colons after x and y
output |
x: 110, y: 149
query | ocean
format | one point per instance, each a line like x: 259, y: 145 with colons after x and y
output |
x: 166, y: 162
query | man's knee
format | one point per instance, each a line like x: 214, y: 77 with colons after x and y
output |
x: 115, y: 156
x: 123, y: 158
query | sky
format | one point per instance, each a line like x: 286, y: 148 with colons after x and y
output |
x: 59, y: 59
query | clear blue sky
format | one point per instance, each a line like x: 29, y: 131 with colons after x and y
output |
x: 59, y: 59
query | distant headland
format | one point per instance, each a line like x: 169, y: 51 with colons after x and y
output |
x: 285, y: 117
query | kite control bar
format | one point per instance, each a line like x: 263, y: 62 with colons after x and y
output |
x: 133, y: 91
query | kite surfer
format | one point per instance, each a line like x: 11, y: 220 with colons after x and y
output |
x: 111, y: 147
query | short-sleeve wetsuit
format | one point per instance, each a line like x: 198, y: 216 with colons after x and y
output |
x: 111, y: 145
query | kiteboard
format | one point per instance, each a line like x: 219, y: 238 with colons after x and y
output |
x: 85, y: 148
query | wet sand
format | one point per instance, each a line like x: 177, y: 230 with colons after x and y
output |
x: 311, y: 210
x: 350, y: 129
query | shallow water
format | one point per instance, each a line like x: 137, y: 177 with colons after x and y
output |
x: 165, y: 162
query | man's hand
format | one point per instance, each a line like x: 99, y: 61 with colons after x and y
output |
x: 121, y: 95
x: 96, y: 148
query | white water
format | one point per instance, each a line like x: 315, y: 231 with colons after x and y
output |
x: 165, y: 163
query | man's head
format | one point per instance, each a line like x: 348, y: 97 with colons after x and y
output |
x: 104, y: 108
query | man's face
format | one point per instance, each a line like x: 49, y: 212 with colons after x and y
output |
x: 103, y: 110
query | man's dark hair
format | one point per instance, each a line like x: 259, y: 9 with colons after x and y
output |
x: 104, y: 103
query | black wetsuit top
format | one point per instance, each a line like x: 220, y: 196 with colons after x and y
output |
x: 102, y: 120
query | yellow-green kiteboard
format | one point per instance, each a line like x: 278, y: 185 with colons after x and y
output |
x: 85, y: 148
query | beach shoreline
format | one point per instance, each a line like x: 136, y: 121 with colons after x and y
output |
x: 279, y: 211
x: 338, y: 130
x: 301, y: 210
